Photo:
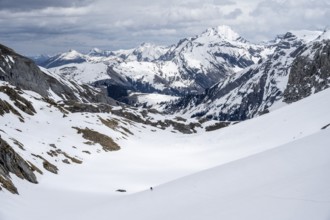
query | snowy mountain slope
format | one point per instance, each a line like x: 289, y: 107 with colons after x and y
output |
x: 259, y: 87
x: 38, y: 137
x: 155, y: 101
x: 20, y: 78
x: 151, y: 158
x: 34, y: 102
x: 29, y: 129
x: 83, y: 72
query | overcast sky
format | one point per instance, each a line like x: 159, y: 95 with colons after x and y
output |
x: 51, y: 26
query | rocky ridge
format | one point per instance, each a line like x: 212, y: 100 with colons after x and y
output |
x: 296, y: 69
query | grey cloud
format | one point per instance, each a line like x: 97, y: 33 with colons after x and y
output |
x: 270, y: 5
x: 234, y: 14
x: 290, y: 6
x: 26, y: 5
x: 122, y: 24
x: 224, y: 2
x: 273, y: 17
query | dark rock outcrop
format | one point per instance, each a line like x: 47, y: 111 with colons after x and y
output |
x: 217, y: 126
x: 105, y: 141
x: 19, y: 101
x: 11, y: 162
x: 308, y: 76
x: 24, y: 73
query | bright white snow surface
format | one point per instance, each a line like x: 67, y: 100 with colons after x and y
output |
x: 272, y: 167
x: 83, y: 72
x: 153, y: 99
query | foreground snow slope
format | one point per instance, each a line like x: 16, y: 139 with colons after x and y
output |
x: 271, y: 167
x: 289, y: 182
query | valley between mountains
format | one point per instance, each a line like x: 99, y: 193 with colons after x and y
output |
x: 219, y: 127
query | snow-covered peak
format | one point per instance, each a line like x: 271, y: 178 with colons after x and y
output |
x: 306, y: 35
x: 224, y: 32
x: 71, y: 55
x: 95, y: 51
x: 147, y: 52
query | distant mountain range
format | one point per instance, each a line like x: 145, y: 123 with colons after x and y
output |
x: 218, y: 74
x: 191, y: 66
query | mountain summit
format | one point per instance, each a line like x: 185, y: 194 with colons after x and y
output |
x: 224, y: 32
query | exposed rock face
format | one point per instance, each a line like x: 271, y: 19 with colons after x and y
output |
x: 23, y: 73
x: 217, y: 126
x: 47, y: 165
x: 5, y: 107
x: 18, y: 100
x: 85, y: 107
x: 185, y: 128
x: 11, y: 162
x: 309, y: 74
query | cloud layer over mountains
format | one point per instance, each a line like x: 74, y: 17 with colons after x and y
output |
x: 44, y: 26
